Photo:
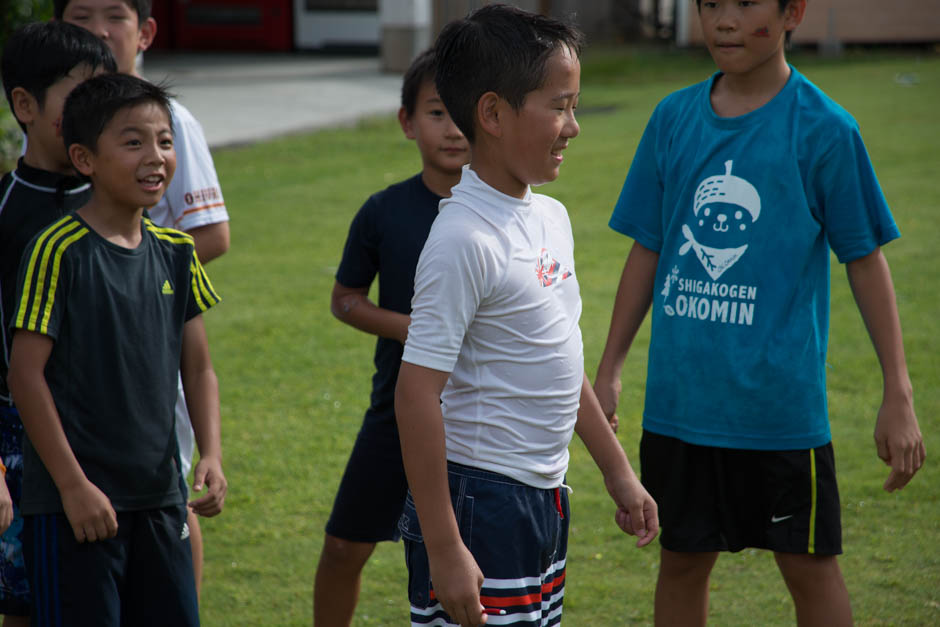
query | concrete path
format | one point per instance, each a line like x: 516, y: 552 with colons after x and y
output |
x: 242, y: 98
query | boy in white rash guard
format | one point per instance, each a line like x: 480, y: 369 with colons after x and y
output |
x: 492, y: 382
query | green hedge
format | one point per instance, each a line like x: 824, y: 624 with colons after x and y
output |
x: 13, y: 14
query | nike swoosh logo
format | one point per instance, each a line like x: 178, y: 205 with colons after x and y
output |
x: 776, y: 519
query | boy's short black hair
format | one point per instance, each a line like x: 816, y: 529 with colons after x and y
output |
x: 140, y: 7
x: 497, y: 48
x: 94, y: 103
x: 422, y: 69
x: 39, y: 54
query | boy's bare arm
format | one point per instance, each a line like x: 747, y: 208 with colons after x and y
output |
x: 211, y: 240
x: 633, y: 299
x: 6, y: 506
x: 897, y: 434
x: 352, y: 306
x: 201, y: 389
x: 637, y: 513
x: 456, y: 576
x: 87, y: 508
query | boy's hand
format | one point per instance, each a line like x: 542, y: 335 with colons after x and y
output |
x: 457, y: 581
x: 899, y: 442
x: 209, y: 473
x: 89, y: 511
x: 6, y: 506
x: 608, y: 395
x: 637, y: 512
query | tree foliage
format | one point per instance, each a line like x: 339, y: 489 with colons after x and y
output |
x: 13, y: 14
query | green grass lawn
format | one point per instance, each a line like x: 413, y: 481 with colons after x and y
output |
x: 295, y: 382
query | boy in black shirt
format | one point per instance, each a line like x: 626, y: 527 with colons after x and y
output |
x: 385, y: 238
x: 42, y: 62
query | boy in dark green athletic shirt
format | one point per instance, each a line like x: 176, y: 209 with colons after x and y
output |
x: 107, y: 312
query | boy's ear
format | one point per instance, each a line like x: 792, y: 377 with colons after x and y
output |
x: 82, y: 159
x: 407, y: 126
x: 24, y: 105
x: 148, y: 30
x: 489, y: 109
x: 793, y: 14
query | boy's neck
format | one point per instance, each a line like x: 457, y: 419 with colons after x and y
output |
x: 499, y: 180
x: 35, y: 159
x: 118, y: 224
x: 733, y: 95
x: 440, y: 183
x: 486, y: 159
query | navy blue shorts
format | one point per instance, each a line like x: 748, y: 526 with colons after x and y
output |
x: 723, y: 499
x: 143, y: 576
x: 371, y: 495
x: 518, y: 536
x: 14, y: 584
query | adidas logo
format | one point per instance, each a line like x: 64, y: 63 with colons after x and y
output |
x: 185, y: 533
x: 167, y: 289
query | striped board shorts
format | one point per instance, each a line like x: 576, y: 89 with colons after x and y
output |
x: 518, y: 536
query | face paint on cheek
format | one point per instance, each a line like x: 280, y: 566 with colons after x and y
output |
x: 761, y: 32
x: 58, y: 126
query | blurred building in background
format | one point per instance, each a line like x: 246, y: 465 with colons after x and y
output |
x: 399, y: 29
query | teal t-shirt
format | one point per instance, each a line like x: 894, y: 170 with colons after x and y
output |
x: 743, y: 212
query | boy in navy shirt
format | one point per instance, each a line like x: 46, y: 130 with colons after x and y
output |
x: 385, y: 239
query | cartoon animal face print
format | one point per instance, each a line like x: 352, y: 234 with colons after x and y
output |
x: 723, y: 224
x: 725, y: 207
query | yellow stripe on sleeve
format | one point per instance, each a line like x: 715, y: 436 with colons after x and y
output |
x: 204, y: 285
x: 54, y: 281
x: 170, y: 235
x: 36, y: 272
x: 31, y: 269
x: 197, y: 292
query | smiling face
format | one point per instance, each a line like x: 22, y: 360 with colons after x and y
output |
x: 116, y: 23
x: 134, y: 159
x: 535, y: 136
x: 746, y: 36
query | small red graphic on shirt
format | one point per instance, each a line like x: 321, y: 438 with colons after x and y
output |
x: 549, y: 270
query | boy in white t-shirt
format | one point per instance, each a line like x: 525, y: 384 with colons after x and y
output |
x: 492, y: 381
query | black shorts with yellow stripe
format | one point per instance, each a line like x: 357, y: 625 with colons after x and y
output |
x: 723, y: 499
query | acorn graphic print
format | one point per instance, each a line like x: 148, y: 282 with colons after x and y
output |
x: 724, y: 206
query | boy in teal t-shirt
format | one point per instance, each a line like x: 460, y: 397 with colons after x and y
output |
x: 739, y: 188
